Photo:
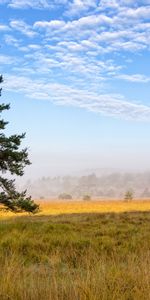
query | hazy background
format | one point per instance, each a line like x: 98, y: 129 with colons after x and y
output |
x: 99, y: 185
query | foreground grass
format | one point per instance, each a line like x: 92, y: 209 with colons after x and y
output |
x: 76, y: 257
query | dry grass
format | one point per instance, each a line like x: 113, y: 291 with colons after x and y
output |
x: 68, y: 207
x: 77, y: 251
x: 55, y: 207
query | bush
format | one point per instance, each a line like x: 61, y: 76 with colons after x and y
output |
x: 65, y: 196
x: 86, y: 198
x: 128, y: 196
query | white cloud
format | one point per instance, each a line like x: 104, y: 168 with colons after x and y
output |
x: 11, y: 40
x: 6, y: 60
x: 139, y: 78
x: 108, y: 33
x: 105, y: 104
x: 52, y: 25
x: 36, y: 4
x: 28, y: 4
x: 76, y: 7
x: 88, y: 21
x: 24, y: 28
x: 4, y: 27
x: 138, y: 13
x: 34, y: 47
x: 113, y: 4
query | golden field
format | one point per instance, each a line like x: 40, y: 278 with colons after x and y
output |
x: 70, y: 207
x: 56, y: 207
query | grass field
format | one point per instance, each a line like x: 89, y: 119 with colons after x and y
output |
x: 77, y: 251
x: 55, y: 207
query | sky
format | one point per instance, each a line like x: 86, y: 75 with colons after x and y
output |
x: 77, y: 76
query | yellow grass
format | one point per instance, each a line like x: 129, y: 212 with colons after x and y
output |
x: 64, y: 207
x: 56, y: 207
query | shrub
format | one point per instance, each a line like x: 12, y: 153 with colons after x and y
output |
x: 128, y: 196
x: 86, y: 198
x: 65, y: 196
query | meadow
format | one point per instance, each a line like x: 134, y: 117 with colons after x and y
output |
x: 77, y: 251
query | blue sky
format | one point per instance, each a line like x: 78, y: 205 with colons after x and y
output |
x: 77, y: 76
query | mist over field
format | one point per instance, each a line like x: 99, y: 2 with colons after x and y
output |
x: 101, y: 184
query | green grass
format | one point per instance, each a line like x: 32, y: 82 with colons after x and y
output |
x: 76, y: 257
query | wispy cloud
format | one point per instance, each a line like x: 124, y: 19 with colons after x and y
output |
x: 11, y: 40
x: 4, y: 27
x: 134, y: 78
x: 110, y: 33
x: 86, y: 46
x: 6, y: 60
x: 24, y: 28
x: 105, y: 104
x: 36, y: 4
x: 28, y: 4
x: 76, y: 7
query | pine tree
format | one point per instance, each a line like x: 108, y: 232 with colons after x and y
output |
x: 12, y: 161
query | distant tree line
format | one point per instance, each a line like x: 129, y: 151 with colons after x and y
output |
x: 113, y: 185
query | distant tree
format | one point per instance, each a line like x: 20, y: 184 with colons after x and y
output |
x: 13, y: 160
x: 87, y: 198
x: 65, y: 196
x: 128, y: 196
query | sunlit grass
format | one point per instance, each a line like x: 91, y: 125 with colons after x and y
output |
x: 54, y: 207
x: 64, y: 207
x: 77, y: 251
